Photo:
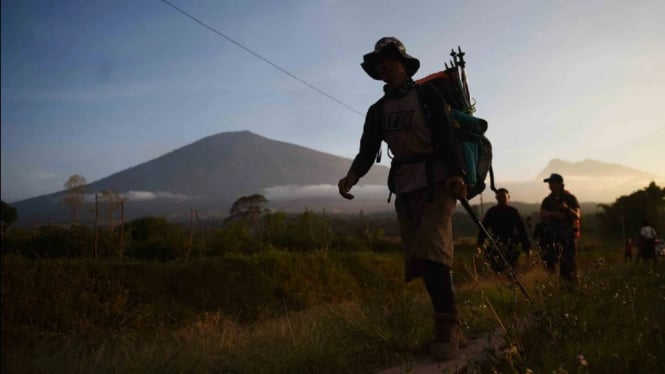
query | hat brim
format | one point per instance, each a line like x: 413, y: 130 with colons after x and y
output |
x: 370, y: 61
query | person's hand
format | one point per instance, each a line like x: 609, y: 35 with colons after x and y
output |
x: 344, y: 185
x: 456, y: 187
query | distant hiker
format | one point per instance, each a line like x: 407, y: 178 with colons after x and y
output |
x: 425, y: 174
x: 628, y: 251
x: 505, y: 224
x: 560, y: 211
x: 647, y: 245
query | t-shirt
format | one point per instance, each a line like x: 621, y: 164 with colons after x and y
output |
x: 407, y: 134
x: 648, y: 232
x: 554, y: 203
x: 506, y: 225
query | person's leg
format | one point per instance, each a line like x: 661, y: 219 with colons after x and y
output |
x: 568, y: 269
x: 549, y: 257
x: 439, y: 287
x: 434, y: 245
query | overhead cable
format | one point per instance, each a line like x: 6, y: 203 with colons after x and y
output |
x: 262, y: 58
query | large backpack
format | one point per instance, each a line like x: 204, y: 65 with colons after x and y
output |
x: 474, y: 147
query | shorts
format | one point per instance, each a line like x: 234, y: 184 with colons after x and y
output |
x: 425, y: 228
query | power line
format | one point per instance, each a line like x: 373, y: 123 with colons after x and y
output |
x: 263, y: 58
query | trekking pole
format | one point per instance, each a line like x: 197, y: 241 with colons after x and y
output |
x: 462, y: 65
x: 455, y: 63
x: 510, y: 273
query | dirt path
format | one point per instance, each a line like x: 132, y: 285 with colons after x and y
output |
x: 477, y: 350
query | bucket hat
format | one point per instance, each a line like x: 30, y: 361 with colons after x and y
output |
x: 370, y: 60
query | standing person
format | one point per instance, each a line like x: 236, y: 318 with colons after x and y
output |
x: 425, y: 175
x: 628, y: 251
x: 505, y: 224
x: 647, y: 245
x: 560, y: 211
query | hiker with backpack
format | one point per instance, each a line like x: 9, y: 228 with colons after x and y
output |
x: 505, y: 223
x: 426, y: 175
x: 560, y: 211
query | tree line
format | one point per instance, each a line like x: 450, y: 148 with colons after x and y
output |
x: 250, y: 228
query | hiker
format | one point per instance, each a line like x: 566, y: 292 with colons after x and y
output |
x: 560, y: 211
x: 505, y: 224
x: 628, y: 251
x: 425, y: 175
x: 647, y: 245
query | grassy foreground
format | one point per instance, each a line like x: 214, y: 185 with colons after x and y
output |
x: 317, y: 312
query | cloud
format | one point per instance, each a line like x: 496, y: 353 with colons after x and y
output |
x: 146, y: 196
x: 320, y: 191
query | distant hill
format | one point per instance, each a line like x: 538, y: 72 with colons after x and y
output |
x: 589, y: 180
x: 209, y: 174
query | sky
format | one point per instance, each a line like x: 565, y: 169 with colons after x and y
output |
x: 95, y: 87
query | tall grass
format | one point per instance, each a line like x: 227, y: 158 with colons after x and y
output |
x: 318, y: 312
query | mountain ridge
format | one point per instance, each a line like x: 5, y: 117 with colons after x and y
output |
x: 212, y: 172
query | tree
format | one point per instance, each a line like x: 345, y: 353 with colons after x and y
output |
x: 76, y: 186
x: 8, y: 216
x: 627, y: 213
x: 248, y: 207
x: 113, y: 200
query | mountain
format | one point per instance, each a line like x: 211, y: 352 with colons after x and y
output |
x: 209, y: 174
x: 593, y: 169
x: 589, y: 180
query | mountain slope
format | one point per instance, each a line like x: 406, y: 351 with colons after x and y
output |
x: 210, y: 174
x: 592, y: 169
x: 233, y: 163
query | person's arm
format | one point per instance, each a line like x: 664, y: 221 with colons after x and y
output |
x: 369, y: 146
x: 369, y: 143
x: 572, y: 207
x: 544, y: 211
x: 521, y: 231
x: 490, y: 223
x: 481, y: 234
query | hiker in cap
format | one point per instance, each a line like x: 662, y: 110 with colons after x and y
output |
x: 560, y: 211
x: 425, y: 175
x: 505, y: 224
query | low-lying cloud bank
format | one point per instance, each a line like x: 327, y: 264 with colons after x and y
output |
x: 321, y: 191
x: 145, y: 196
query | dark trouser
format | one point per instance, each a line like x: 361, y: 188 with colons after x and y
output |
x: 440, y: 288
x: 647, y: 250
x: 568, y: 244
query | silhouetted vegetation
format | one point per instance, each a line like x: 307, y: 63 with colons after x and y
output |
x: 307, y: 292
x: 624, y: 217
x: 8, y: 215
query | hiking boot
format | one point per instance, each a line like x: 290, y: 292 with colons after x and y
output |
x: 448, y: 337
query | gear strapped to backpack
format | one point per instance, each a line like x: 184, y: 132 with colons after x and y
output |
x: 474, y: 148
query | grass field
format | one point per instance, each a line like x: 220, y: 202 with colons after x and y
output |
x: 319, y: 312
